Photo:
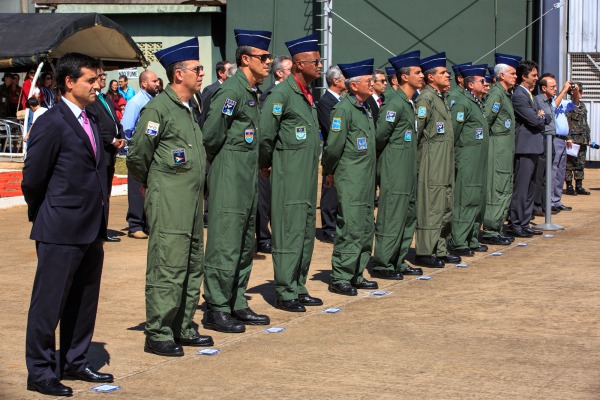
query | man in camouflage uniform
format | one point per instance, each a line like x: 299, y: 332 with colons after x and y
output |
x: 579, y: 133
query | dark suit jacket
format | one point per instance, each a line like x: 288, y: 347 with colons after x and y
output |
x: 528, y: 126
x: 263, y: 96
x: 63, y: 183
x: 106, y: 126
x: 374, y: 108
x: 207, y: 94
x: 324, y: 106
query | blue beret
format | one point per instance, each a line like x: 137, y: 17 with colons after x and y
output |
x: 185, y: 51
x: 259, y: 39
x: 489, y: 78
x: 491, y: 71
x: 436, y: 60
x: 473, y: 70
x: 456, y: 68
x: 360, y: 68
x: 410, y: 59
x: 303, y: 45
x: 390, y: 71
x: 507, y: 59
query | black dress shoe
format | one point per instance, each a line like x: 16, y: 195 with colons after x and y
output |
x: 497, y: 240
x: 88, y: 375
x: 412, y: 271
x: 365, y: 284
x: 387, y: 274
x: 562, y: 207
x: 290, y: 305
x: 429, y: 261
x: 451, y: 259
x: 166, y: 348
x: 509, y: 237
x: 343, y: 288
x: 308, y: 300
x: 532, y: 231
x: 249, y: 317
x: 519, y: 233
x: 113, y: 239
x: 328, y: 237
x: 51, y: 387
x: 196, y: 340
x: 266, y: 248
x: 221, y: 321
x: 481, y: 249
x: 539, y: 213
x: 463, y: 252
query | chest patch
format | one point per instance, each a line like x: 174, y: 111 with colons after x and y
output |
x: 251, y: 103
x: 452, y: 103
x: 228, y: 107
x: 152, y: 128
x: 440, y: 128
x: 277, y: 107
x: 407, y: 136
x: 301, y: 133
x: 390, y: 116
x: 479, y: 133
x: 249, y: 135
x: 507, y: 123
x: 361, y: 143
x: 496, y: 107
x: 336, y: 124
x: 179, y: 157
x: 422, y: 112
x: 460, y: 116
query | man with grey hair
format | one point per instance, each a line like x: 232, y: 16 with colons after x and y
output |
x: 333, y: 95
x: 280, y: 69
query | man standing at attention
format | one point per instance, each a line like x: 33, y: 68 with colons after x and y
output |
x: 435, y: 161
x: 125, y: 90
x: 232, y: 148
x: 167, y: 157
x: 349, y: 163
x: 290, y: 124
x: 136, y: 218
x: 64, y: 184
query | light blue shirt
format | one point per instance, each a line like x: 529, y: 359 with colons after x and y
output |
x: 129, y: 94
x: 132, y: 112
x: 75, y: 109
x: 562, y: 125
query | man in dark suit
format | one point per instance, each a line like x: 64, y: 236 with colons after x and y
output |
x: 529, y: 144
x: 329, y: 202
x: 375, y: 101
x: 111, y: 133
x: 64, y: 184
x: 221, y: 71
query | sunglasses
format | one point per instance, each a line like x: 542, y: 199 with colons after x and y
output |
x: 316, y: 61
x: 263, y: 57
x: 197, y: 69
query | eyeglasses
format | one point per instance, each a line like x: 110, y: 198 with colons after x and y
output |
x: 316, y: 61
x: 197, y: 69
x: 379, y: 80
x: 263, y: 57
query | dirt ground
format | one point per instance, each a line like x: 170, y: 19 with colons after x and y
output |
x: 523, y: 325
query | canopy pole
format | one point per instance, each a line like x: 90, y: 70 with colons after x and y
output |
x: 31, y: 90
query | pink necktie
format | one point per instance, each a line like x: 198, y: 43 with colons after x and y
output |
x: 88, y: 129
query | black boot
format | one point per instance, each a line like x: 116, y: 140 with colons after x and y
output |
x: 579, y: 187
x: 570, y: 190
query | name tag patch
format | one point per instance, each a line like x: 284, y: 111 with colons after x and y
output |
x: 507, y: 123
x: 336, y: 124
x: 301, y: 133
x: 228, y: 107
x: 407, y: 136
x: 277, y: 107
x: 361, y: 143
x: 390, y: 116
x: 152, y: 128
x: 496, y: 107
x: 440, y: 128
x: 251, y: 103
x: 422, y: 112
x: 479, y: 133
x: 179, y: 157
x: 460, y: 117
x: 249, y: 135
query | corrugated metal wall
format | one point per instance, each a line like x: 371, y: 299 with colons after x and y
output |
x: 584, y: 36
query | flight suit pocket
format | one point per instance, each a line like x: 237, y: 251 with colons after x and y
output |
x: 232, y: 222
x: 360, y: 219
x: 173, y: 248
x: 471, y: 196
x: 294, y: 216
x: 502, y: 182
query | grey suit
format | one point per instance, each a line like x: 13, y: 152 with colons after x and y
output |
x: 529, y: 144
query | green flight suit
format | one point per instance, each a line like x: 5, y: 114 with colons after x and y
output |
x: 435, y: 176
x: 397, y: 215
x: 166, y: 155
x: 500, y: 115
x: 231, y: 143
x: 350, y: 156
x: 471, y: 135
x: 388, y: 94
x: 290, y: 144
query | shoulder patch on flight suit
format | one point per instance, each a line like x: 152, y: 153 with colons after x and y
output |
x: 179, y: 157
x: 277, y: 108
x: 507, y: 123
x: 300, y: 133
x: 496, y: 107
x: 460, y: 116
x: 422, y: 113
x: 249, y: 135
x: 361, y: 143
x: 228, y: 107
x: 390, y: 116
x: 336, y: 124
x: 440, y: 128
x: 152, y: 128
x: 479, y: 134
